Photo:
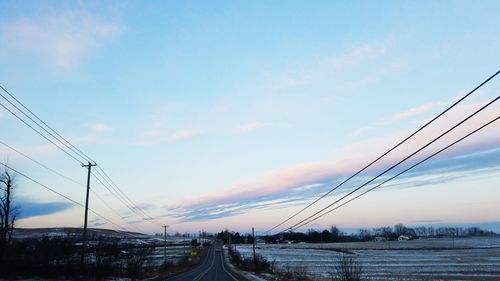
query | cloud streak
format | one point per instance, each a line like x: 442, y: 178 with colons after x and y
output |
x: 479, y: 154
x: 186, y: 134
x: 61, y: 38
x: 156, y: 136
x: 248, y: 127
x: 30, y: 209
x: 401, y: 116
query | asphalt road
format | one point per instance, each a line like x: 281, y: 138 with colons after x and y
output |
x: 211, y: 269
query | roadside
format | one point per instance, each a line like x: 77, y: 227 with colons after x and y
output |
x: 245, y: 274
x: 184, y: 265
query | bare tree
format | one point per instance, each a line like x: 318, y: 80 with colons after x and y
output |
x: 346, y: 268
x: 8, y: 212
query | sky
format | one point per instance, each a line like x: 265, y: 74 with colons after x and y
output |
x: 237, y: 114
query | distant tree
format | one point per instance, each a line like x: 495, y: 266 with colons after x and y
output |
x: 313, y: 236
x: 249, y: 239
x: 400, y: 229
x: 334, y: 234
x: 364, y: 234
x: 195, y: 243
x: 430, y: 231
x: 8, y: 212
x: 420, y: 231
x: 325, y: 236
x: 236, y: 238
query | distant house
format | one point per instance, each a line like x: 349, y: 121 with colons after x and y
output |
x: 260, y: 241
x: 403, y: 238
x: 380, y: 239
x: 281, y: 241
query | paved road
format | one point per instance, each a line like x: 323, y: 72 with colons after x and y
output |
x: 211, y: 269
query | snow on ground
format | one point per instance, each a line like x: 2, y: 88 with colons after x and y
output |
x: 173, y: 254
x: 423, y: 259
x: 247, y: 275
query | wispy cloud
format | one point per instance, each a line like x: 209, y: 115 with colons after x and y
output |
x: 478, y: 154
x: 96, y: 222
x: 252, y: 126
x: 28, y: 209
x: 239, y: 203
x: 401, y: 116
x: 323, y: 69
x: 62, y: 38
x: 356, y: 55
x: 100, y: 128
x: 96, y: 134
x: 156, y: 136
x: 186, y: 134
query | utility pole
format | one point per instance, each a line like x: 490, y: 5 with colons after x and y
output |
x: 184, y: 243
x: 165, y: 243
x: 84, y: 236
x: 253, y: 235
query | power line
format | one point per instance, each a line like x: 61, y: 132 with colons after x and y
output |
x: 397, y: 164
x: 115, y: 192
x: 41, y: 184
x: 148, y: 217
x: 41, y: 164
x: 63, y: 176
x: 58, y: 193
x: 400, y: 173
x: 66, y: 143
x: 119, y: 199
x: 113, y: 210
x: 71, y: 146
x: 40, y: 126
x: 42, y: 135
x: 385, y: 153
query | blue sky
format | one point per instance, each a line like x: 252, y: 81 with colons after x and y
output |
x: 236, y: 114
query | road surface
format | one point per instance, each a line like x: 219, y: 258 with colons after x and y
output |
x: 211, y: 269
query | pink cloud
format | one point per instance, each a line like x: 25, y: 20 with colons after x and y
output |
x: 364, y: 152
x: 401, y: 116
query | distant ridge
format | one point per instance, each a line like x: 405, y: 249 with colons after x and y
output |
x: 24, y: 233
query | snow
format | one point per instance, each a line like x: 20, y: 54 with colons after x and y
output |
x: 461, y: 259
x: 247, y: 275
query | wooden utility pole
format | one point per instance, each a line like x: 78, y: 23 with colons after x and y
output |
x: 84, y: 236
x: 253, y: 235
x: 165, y: 243
x: 184, y: 243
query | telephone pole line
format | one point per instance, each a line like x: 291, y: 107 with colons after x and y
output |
x: 253, y: 236
x: 84, y: 236
x: 165, y: 243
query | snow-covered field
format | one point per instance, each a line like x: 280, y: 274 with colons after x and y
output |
x: 173, y: 254
x: 475, y: 258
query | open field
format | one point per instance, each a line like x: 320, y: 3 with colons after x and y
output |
x: 475, y: 258
x: 173, y: 254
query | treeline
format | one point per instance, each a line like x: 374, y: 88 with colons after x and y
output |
x: 61, y: 258
x: 399, y: 231
x: 231, y: 237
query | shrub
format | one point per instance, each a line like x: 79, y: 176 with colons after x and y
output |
x: 346, y: 268
x: 137, y: 262
x: 295, y: 274
x: 261, y: 264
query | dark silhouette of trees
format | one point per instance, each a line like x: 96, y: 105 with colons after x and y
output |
x: 234, y: 237
x: 334, y: 233
x: 8, y: 212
